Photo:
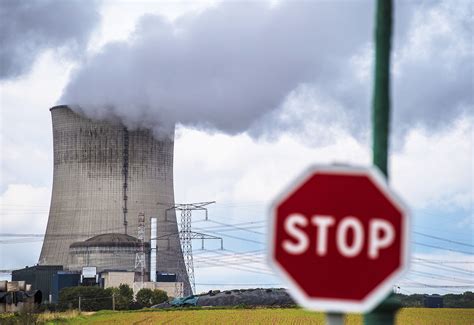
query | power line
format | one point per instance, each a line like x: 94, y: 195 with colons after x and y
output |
x: 445, y: 267
x: 441, y: 277
x: 443, y: 261
x: 239, y: 238
x: 219, y: 230
x: 233, y: 224
x: 424, y: 285
x: 21, y: 241
x: 443, y: 239
x: 214, y: 228
x: 238, y: 261
x: 235, y: 253
x: 236, y: 227
x: 239, y: 268
x: 443, y: 248
x: 401, y: 289
x: 443, y: 230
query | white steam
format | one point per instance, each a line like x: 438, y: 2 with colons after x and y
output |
x: 223, y: 69
x: 249, y: 66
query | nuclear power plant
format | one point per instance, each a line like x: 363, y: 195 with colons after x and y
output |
x: 105, y: 176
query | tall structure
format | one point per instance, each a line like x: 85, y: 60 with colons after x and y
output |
x: 104, y: 175
x: 186, y: 235
x: 140, y: 261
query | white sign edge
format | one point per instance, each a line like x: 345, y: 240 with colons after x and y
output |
x: 341, y: 305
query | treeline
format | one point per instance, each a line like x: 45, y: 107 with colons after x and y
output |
x: 463, y: 300
x: 95, y: 298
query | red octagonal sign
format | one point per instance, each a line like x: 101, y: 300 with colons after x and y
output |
x: 339, y: 238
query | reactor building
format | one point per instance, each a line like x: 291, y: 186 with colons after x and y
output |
x: 104, y: 176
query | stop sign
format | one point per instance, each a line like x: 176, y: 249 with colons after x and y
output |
x: 339, y: 239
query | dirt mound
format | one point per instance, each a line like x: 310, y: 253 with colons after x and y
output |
x: 239, y: 297
x: 246, y: 297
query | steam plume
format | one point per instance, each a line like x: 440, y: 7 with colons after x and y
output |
x: 240, y: 66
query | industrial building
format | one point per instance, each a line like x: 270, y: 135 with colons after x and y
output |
x: 433, y: 301
x: 106, y: 251
x: 39, y: 276
x: 104, y: 176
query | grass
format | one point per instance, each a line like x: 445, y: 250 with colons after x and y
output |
x: 435, y: 316
x: 407, y: 316
x: 55, y: 316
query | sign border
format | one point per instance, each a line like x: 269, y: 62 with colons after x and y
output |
x: 379, y: 292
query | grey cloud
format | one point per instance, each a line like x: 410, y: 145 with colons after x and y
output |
x: 240, y: 67
x: 434, y: 67
x: 27, y: 28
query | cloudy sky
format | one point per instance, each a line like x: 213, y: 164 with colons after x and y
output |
x: 259, y: 91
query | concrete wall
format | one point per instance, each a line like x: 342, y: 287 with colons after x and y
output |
x: 115, y: 279
x: 173, y: 289
x: 104, y: 258
x: 88, y: 183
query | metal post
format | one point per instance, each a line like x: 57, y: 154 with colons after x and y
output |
x: 153, y: 246
x: 113, y: 300
x: 334, y: 319
x: 386, y: 311
x: 79, y: 304
x: 381, y: 97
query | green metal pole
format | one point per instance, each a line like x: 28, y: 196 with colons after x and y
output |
x: 385, y: 312
x: 381, y: 99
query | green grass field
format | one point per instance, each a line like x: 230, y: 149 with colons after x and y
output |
x: 407, y: 316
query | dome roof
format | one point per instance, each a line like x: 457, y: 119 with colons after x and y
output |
x: 111, y: 239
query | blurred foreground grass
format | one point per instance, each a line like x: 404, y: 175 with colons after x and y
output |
x: 407, y: 316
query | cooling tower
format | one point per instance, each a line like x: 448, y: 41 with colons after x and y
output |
x: 104, y: 175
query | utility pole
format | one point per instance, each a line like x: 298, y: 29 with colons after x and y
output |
x: 386, y: 311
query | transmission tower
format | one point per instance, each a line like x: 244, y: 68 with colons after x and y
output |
x: 186, y: 235
x: 140, y: 261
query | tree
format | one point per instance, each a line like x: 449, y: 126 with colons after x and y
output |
x: 123, y: 296
x: 159, y: 296
x: 92, y: 298
x: 465, y: 300
x: 147, y: 297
